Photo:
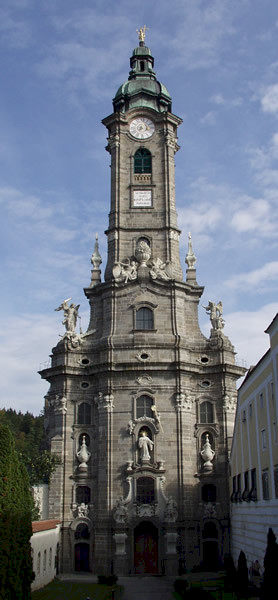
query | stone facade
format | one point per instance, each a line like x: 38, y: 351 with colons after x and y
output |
x: 141, y: 407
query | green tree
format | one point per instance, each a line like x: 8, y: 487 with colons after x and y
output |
x: 30, y: 443
x: 270, y: 566
x: 15, y: 523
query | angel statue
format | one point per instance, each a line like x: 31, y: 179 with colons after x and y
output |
x: 70, y: 314
x: 215, y: 311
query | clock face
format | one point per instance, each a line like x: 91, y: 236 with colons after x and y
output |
x: 141, y: 128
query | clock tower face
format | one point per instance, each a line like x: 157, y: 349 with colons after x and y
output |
x: 141, y: 128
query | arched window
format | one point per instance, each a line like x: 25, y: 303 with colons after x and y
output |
x: 44, y: 560
x: 50, y: 558
x: 209, y: 492
x: 144, y: 407
x: 144, y: 318
x: 145, y: 490
x: 83, y: 494
x: 210, y: 531
x: 206, y: 412
x: 84, y: 414
x: 82, y: 532
x: 39, y: 563
x: 142, y: 161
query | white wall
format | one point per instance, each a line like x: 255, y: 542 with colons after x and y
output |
x: 45, y: 543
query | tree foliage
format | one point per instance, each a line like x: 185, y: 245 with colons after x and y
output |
x: 30, y: 443
x: 15, y: 522
x: 270, y: 565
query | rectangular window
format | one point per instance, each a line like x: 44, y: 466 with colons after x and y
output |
x: 233, y: 496
x: 261, y: 400
x: 276, y: 480
x: 263, y: 432
x: 250, y: 409
x: 238, y: 492
x: 244, y: 416
x: 253, y: 491
x: 245, y: 495
x: 265, y: 482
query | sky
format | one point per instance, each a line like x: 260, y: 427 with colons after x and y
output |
x: 62, y: 62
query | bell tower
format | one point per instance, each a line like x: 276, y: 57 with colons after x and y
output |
x: 142, y: 141
x: 141, y: 406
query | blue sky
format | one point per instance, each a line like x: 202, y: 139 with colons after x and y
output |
x: 61, y: 64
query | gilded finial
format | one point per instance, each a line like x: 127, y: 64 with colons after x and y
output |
x: 142, y: 33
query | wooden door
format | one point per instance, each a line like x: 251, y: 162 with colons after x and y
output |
x: 145, y: 548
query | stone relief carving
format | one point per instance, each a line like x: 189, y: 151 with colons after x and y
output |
x: 121, y: 512
x: 145, y: 510
x: 207, y: 454
x: 130, y: 427
x: 59, y: 403
x: 184, y: 401
x: 171, y: 512
x: 190, y: 258
x: 128, y: 269
x: 83, y: 455
x: 125, y: 271
x: 229, y: 403
x: 159, y: 269
x: 155, y: 422
x: 121, y: 506
x: 209, y: 510
x: 104, y: 402
x: 144, y: 380
x: 82, y: 510
x: 215, y: 311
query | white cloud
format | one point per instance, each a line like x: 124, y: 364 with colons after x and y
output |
x: 255, y: 279
x: 209, y: 118
x: 257, y: 215
x: 246, y: 331
x: 270, y: 99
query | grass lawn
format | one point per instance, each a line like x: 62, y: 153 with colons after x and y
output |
x: 69, y: 590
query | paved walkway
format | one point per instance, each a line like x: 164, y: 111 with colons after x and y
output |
x: 147, y: 587
x: 136, y: 587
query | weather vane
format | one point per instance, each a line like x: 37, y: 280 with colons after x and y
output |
x: 142, y: 33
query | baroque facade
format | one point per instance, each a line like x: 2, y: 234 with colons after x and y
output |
x: 141, y: 407
x: 254, y: 459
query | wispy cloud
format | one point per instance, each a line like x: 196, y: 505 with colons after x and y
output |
x: 269, y: 100
x: 258, y: 278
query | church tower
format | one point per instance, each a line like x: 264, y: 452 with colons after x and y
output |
x: 141, y: 407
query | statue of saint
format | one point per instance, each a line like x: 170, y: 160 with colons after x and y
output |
x: 70, y: 315
x: 145, y: 444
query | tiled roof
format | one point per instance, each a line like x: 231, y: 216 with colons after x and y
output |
x: 44, y: 525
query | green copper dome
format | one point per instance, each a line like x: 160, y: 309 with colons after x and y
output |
x: 142, y: 88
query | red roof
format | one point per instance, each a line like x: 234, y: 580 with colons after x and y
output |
x: 44, y: 525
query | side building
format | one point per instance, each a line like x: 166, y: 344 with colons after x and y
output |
x: 141, y: 407
x: 254, y: 458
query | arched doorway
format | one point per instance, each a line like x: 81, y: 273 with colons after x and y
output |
x: 82, y: 556
x: 82, y: 549
x: 210, y: 547
x: 145, y: 548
